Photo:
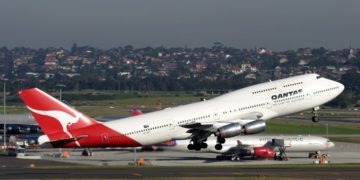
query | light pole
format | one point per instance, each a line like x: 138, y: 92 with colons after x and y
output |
x: 60, y: 98
x: 5, y: 147
x: 135, y: 156
x: 327, y: 136
x: 60, y: 90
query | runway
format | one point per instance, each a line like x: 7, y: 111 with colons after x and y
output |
x: 20, y: 169
x: 161, y: 164
x: 341, y: 153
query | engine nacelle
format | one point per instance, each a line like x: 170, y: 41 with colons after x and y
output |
x: 254, y: 127
x: 263, y: 152
x: 235, y: 129
x: 229, y: 130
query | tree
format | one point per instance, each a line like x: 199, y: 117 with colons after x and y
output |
x: 351, y: 81
x: 73, y: 49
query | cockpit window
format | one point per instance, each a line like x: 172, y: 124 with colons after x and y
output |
x: 318, y: 77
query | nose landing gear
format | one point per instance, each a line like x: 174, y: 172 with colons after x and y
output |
x: 315, y: 117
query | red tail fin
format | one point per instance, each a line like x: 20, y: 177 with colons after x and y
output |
x: 56, y: 119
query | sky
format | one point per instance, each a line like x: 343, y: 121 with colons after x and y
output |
x: 274, y: 24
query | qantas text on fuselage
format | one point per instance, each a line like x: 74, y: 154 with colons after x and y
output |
x: 243, y: 111
x: 287, y: 94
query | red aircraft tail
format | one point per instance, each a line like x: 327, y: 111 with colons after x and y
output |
x: 55, y: 118
x: 65, y: 127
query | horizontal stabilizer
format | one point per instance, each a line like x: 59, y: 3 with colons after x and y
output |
x: 46, y: 143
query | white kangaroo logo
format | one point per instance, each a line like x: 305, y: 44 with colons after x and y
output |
x: 64, y: 119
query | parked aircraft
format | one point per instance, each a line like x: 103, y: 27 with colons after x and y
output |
x: 260, y: 146
x: 243, y: 111
x: 14, y: 129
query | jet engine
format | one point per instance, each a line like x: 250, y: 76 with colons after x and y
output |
x: 263, y: 152
x: 229, y: 130
x: 235, y: 129
x: 254, y: 127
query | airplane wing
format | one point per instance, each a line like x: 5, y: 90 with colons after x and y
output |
x: 246, y: 117
x: 212, y: 127
x: 245, y: 124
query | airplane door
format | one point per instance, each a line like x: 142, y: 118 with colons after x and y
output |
x: 146, y: 129
x: 216, y: 116
x: 105, y: 138
x: 171, y: 128
x: 268, y: 105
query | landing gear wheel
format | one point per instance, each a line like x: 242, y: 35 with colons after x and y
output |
x: 190, y: 147
x: 235, y: 158
x: 204, y: 145
x: 197, y: 147
x: 315, y: 119
x: 221, y: 140
x: 218, y: 146
x: 86, y: 152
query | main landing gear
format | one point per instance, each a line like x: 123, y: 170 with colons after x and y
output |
x: 220, y: 141
x: 315, y: 117
x: 197, y: 146
x: 199, y: 142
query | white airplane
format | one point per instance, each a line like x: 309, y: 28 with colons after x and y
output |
x: 258, y: 146
x: 243, y: 111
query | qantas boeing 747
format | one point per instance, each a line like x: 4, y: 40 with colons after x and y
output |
x: 239, y: 112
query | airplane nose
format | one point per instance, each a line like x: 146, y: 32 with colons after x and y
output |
x: 341, y: 87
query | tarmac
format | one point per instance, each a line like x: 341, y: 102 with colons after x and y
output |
x: 114, y: 164
x: 182, y: 172
x: 341, y: 153
x: 13, y: 168
x: 163, y: 164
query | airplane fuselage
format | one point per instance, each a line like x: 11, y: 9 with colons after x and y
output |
x: 270, y: 99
